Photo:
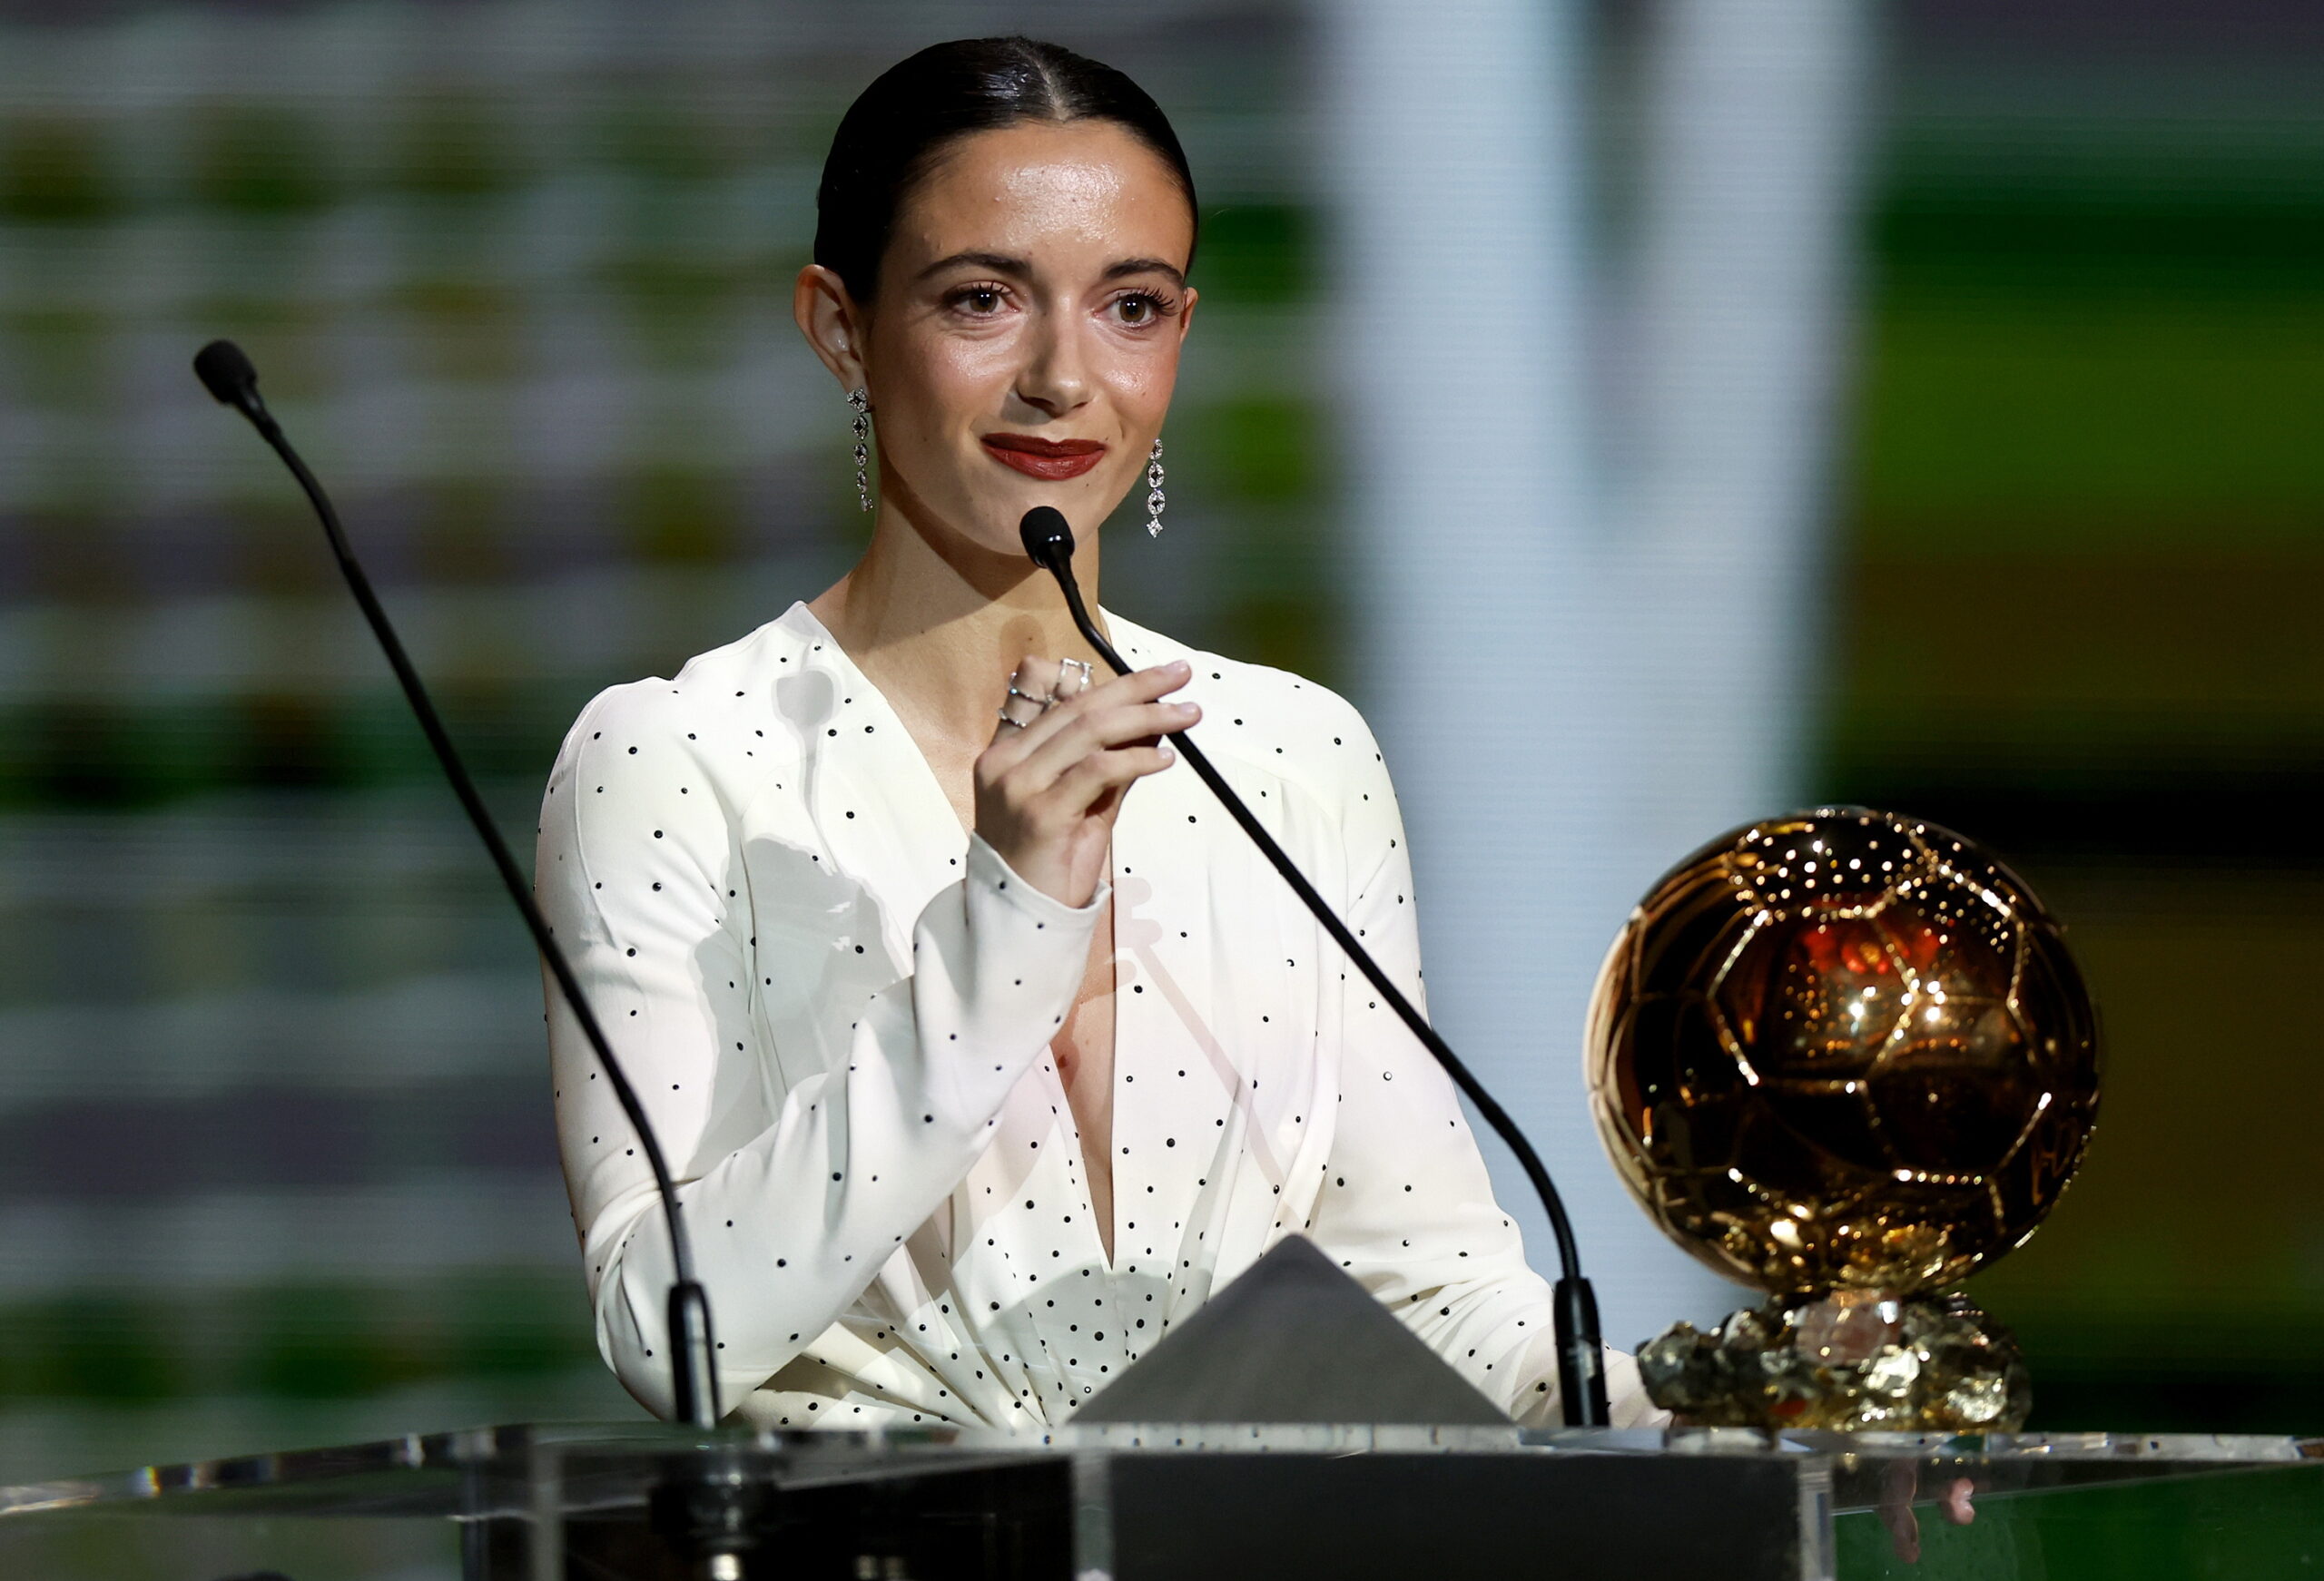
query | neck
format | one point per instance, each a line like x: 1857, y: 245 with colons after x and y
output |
x: 939, y: 630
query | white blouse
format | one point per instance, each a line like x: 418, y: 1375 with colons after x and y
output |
x: 835, y: 1006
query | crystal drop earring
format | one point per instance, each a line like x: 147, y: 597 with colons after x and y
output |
x: 860, y: 400
x: 1154, y: 492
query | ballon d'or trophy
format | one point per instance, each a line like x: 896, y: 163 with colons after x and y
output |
x: 1844, y: 1057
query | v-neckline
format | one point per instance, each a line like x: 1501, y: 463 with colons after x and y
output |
x: 932, y: 785
x: 930, y: 781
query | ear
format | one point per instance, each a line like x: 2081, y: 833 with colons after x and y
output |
x: 1187, y: 312
x: 831, y: 322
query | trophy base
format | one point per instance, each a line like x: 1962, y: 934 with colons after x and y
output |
x: 1849, y: 1361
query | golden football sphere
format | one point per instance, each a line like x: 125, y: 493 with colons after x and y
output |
x: 1842, y: 1050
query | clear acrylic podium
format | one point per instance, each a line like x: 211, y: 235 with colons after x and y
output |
x: 1136, y: 1503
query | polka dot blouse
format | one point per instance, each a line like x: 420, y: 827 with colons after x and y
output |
x: 837, y: 1009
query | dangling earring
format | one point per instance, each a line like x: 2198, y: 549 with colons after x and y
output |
x: 1154, y: 492
x: 860, y: 399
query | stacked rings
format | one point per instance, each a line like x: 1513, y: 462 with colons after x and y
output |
x: 1077, y: 669
x: 1040, y: 706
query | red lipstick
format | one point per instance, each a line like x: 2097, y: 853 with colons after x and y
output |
x: 1053, y: 459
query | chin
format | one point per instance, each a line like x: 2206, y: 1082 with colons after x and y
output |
x: 985, y: 512
x: 994, y: 524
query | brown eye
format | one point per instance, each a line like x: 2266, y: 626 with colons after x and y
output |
x: 1138, y: 307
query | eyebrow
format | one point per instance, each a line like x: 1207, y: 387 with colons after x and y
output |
x: 1001, y: 263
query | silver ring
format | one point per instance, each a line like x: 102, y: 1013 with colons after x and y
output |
x: 1018, y: 694
x: 1003, y: 716
x: 1062, y: 665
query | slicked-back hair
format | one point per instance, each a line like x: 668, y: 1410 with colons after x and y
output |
x: 900, y: 126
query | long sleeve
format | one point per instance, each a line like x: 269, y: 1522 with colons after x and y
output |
x: 1407, y: 1206
x: 800, y: 1172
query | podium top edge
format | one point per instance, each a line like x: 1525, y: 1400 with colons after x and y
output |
x: 392, y: 1472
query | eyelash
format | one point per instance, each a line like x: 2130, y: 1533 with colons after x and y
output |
x: 1162, y: 307
x: 959, y: 298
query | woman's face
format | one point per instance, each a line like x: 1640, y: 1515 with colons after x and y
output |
x: 1025, y: 340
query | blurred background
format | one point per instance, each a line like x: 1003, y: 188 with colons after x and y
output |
x: 1960, y: 456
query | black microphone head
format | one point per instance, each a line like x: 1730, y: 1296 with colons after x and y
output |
x: 227, y: 374
x: 1047, y: 539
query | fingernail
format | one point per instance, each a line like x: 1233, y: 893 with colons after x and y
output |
x: 1165, y: 749
x: 1179, y: 666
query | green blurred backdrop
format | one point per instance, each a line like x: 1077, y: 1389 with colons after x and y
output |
x: 2079, y: 614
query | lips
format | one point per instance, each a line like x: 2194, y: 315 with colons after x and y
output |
x: 1051, y: 459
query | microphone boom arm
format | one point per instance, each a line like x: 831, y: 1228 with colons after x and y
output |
x: 1581, y: 1373
x: 693, y: 1376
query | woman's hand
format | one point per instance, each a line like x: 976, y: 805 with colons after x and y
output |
x: 1047, y: 790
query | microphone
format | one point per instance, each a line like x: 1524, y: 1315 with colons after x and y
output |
x: 1581, y: 1372
x: 225, y: 371
x: 227, y: 374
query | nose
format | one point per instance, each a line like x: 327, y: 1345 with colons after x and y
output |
x: 1055, y: 379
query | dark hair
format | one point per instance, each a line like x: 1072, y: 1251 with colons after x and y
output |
x: 901, y: 125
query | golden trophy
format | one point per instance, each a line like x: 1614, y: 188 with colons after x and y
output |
x: 1844, y: 1057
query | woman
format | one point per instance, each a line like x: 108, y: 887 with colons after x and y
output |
x: 985, y: 1049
